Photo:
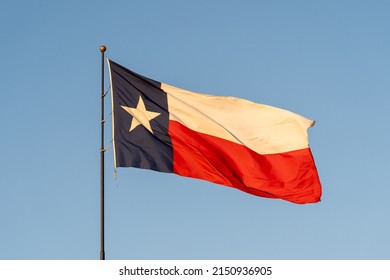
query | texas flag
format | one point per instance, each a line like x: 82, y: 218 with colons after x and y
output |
x: 258, y: 149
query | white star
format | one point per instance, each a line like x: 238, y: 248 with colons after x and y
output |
x: 140, y: 115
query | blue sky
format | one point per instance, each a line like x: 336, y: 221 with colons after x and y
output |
x: 326, y: 60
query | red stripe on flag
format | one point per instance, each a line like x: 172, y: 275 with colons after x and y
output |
x: 291, y: 176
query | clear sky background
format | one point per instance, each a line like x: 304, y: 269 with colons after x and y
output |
x: 326, y: 60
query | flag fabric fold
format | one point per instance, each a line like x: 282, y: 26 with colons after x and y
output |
x: 256, y: 148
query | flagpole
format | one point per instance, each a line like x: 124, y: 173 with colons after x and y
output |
x: 102, y: 150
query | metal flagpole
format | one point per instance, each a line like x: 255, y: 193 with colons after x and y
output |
x: 102, y: 150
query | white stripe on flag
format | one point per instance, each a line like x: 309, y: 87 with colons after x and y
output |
x: 262, y: 128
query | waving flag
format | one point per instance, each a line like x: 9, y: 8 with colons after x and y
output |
x: 259, y: 149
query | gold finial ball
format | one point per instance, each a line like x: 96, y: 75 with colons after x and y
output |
x: 102, y: 48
